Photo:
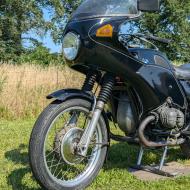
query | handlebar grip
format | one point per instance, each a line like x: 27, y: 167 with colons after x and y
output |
x: 154, y: 38
x: 162, y: 40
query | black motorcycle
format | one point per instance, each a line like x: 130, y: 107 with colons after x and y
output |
x: 138, y: 89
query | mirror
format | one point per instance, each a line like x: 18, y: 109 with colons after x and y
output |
x: 148, y: 5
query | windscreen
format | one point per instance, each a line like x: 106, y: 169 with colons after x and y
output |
x: 106, y: 8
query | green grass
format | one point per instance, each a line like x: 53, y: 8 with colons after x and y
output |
x: 15, y: 173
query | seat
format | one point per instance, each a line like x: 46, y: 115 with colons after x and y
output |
x: 183, y: 72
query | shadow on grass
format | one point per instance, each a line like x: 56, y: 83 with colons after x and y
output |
x: 15, y: 179
x: 120, y: 156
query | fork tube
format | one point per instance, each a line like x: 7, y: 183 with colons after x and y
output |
x: 103, y: 97
x: 88, y: 85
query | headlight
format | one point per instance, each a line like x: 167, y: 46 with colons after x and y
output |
x: 71, y: 45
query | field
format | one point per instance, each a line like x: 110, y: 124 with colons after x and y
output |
x: 22, y: 96
x: 23, y: 88
x: 15, y: 173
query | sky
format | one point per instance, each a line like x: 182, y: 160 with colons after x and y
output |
x: 46, y: 40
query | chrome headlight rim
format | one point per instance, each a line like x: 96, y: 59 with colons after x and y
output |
x: 78, y: 45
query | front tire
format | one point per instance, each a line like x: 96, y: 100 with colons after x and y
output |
x: 55, y: 177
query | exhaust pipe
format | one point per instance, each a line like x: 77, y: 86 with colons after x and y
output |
x: 148, y: 143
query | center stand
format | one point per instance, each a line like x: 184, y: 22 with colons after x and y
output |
x: 157, y: 169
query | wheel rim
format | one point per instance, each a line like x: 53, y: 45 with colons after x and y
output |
x: 69, y: 169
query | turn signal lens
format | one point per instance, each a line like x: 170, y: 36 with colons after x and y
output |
x: 105, y: 31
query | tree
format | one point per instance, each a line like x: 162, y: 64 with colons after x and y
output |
x: 18, y: 17
x: 40, y: 55
x: 172, y: 22
x: 59, y: 19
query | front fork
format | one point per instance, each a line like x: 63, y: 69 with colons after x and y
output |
x: 103, y: 97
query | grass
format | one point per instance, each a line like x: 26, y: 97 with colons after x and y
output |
x: 22, y: 95
x: 15, y: 173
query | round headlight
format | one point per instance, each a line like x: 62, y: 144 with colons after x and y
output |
x: 71, y: 45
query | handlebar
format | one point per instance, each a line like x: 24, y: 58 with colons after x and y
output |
x: 154, y: 38
x: 161, y: 40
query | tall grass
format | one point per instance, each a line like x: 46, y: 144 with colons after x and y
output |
x: 23, y: 88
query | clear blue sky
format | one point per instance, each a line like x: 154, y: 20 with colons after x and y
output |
x: 46, y: 40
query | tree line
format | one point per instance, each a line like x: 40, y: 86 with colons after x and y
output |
x: 19, y: 17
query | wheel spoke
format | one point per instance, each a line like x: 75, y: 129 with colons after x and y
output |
x: 58, y: 165
x: 53, y: 151
x: 59, y: 173
x: 67, y: 171
x: 52, y: 161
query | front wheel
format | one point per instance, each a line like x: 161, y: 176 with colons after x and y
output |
x: 52, y: 150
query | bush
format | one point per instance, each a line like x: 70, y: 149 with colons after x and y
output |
x: 37, y: 55
x: 41, y: 55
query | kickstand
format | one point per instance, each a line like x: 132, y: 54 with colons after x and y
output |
x: 156, y: 170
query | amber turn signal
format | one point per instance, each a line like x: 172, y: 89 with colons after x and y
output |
x: 105, y: 31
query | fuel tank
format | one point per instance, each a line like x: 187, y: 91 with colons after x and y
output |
x: 154, y: 83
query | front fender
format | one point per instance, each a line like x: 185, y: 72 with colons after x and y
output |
x: 66, y: 94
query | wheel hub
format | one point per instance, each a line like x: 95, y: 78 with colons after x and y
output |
x: 66, y: 143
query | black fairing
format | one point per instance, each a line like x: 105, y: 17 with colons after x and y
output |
x: 153, y: 82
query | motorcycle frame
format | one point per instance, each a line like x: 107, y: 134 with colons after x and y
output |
x: 107, y: 56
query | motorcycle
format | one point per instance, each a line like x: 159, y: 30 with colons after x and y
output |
x: 138, y: 89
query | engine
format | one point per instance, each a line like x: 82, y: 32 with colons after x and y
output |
x: 125, y: 115
x: 168, y: 116
x: 171, y: 117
